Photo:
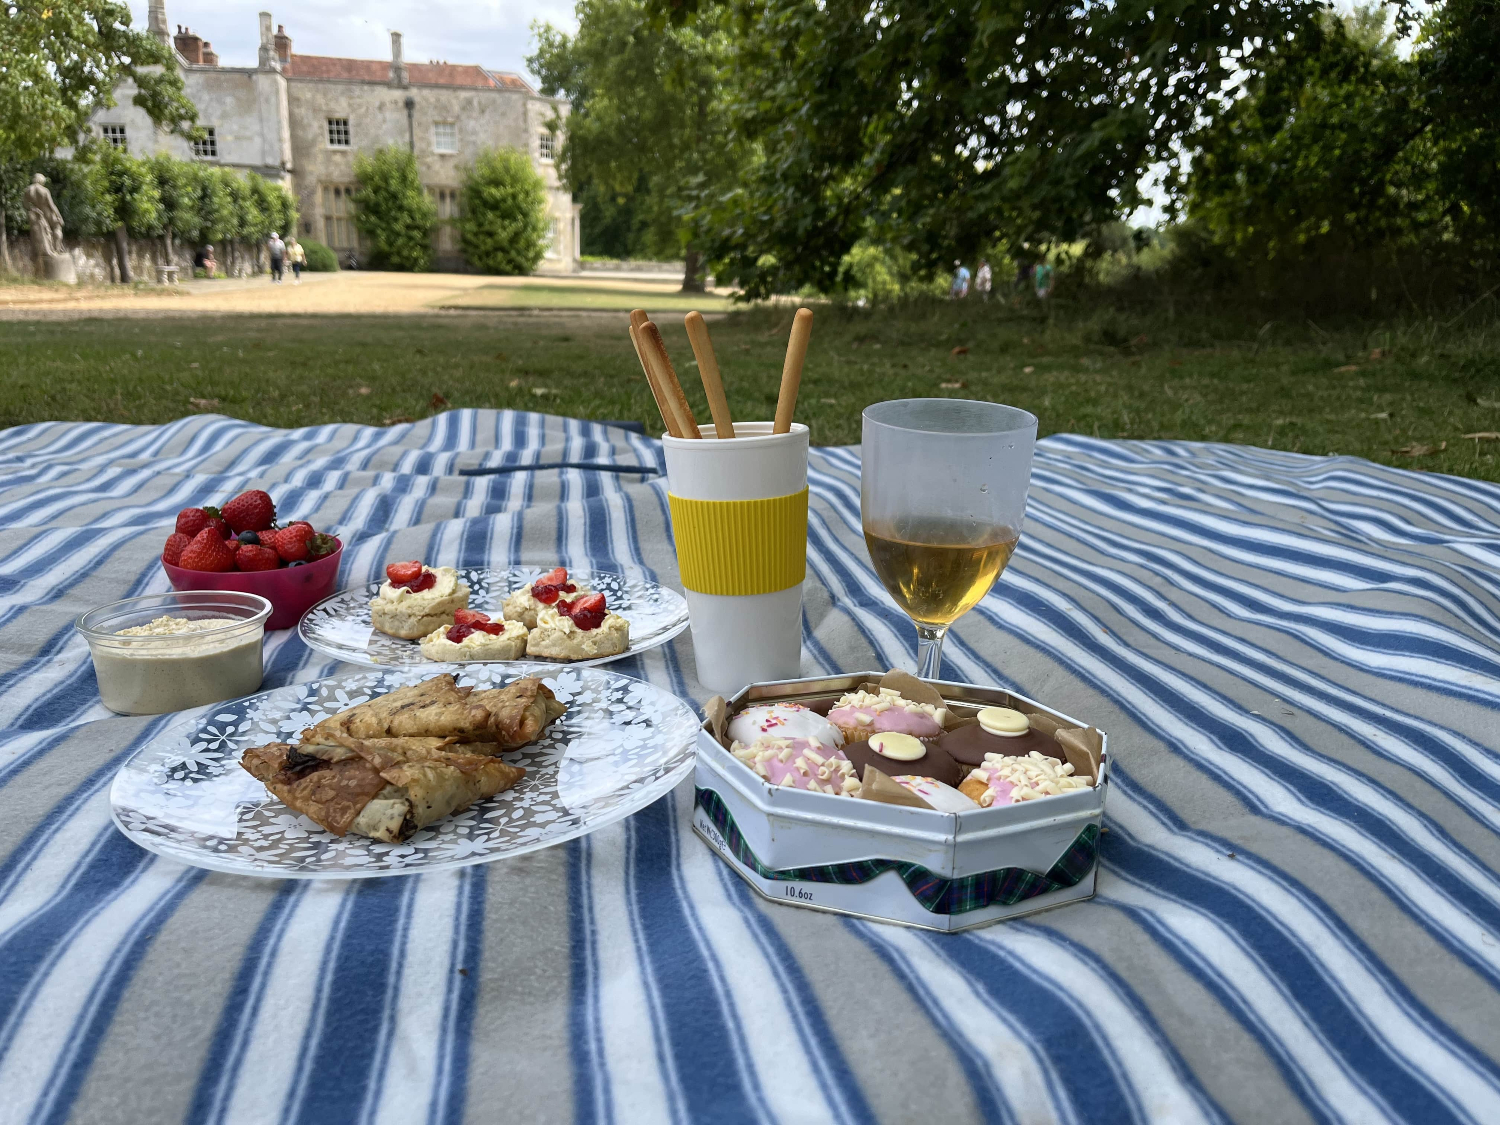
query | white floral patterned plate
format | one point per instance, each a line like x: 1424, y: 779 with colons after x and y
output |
x: 622, y: 744
x: 339, y: 626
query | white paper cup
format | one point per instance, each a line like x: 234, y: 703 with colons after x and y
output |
x: 739, y: 518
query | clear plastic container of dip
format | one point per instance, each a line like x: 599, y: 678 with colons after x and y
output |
x: 169, y: 652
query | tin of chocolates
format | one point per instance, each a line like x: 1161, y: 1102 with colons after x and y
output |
x: 870, y: 832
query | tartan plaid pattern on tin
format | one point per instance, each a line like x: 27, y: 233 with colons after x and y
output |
x: 937, y: 894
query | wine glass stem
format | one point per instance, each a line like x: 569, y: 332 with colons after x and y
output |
x: 930, y: 651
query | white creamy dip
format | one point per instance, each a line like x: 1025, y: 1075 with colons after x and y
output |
x: 172, y: 663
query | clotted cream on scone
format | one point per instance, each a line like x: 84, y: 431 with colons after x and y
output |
x: 415, y: 599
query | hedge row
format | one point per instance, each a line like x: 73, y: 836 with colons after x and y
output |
x: 100, y: 188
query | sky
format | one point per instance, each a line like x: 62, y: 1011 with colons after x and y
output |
x: 492, y: 33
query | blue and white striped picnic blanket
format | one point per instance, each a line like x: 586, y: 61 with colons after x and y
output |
x: 1298, y: 911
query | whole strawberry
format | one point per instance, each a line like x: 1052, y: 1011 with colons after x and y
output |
x: 190, y: 521
x: 172, y: 552
x: 253, y: 556
x: 250, y: 511
x: 294, y: 543
x: 207, y: 551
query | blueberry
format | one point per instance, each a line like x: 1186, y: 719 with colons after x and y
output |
x: 248, y: 539
x: 299, y: 562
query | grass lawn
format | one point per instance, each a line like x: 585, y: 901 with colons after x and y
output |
x: 540, y: 295
x: 1394, y: 394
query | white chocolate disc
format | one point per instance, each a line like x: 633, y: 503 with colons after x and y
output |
x: 1004, y: 721
x: 897, y: 747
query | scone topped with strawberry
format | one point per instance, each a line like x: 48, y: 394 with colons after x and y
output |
x: 580, y: 628
x: 473, y: 636
x: 414, y: 600
x: 526, y: 604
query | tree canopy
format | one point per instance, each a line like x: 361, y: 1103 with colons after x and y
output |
x: 649, y: 134
x: 948, y: 127
x: 60, y: 62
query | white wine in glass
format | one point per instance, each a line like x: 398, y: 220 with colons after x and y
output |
x: 943, y: 492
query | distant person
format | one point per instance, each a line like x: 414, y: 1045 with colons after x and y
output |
x: 278, y: 257
x: 1042, y: 275
x: 1023, y: 275
x: 960, y: 287
x: 983, y: 280
x: 296, y: 257
x: 204, y: 260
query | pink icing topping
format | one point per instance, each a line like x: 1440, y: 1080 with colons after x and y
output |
x: 894, y: 719
x: 999, y: 790
x: 800, y: 764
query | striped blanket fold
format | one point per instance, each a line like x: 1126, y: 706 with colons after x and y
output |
x: 1298, y: 918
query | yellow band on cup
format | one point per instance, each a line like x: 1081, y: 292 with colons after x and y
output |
x: 740, y: 547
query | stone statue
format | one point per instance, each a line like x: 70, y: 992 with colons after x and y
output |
x: 52, y: 258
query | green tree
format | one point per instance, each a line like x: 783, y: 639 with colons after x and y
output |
x: 216, y: 218
x: 949, y: 128
x: 503, y: 213
x: 1456, y: 58
x: 177, y: 183
x: 135, y: 202
x: 393, y: 210
x: 60, y: 62
x: 648, y: 126
x: 1324, y: 156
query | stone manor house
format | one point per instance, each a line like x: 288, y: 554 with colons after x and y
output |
x: 299, y: 120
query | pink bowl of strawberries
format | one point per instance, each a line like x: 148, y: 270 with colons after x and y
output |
x: 241, y: 547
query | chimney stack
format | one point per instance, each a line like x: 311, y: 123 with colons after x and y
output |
x: 267, y: 51
x: 209, y: 58
x: 156, y: 21
x: 283, y: 43
x: 399, y: 74
x: 188, y: 45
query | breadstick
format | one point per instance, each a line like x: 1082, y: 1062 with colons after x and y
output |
x: 791, y: 372
x: 708, y: 370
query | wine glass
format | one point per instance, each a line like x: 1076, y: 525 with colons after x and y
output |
x: 942, y: 494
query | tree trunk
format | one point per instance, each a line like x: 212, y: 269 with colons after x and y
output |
x: 4, y: 245
x: 122, y: 250
x: 691, y: 282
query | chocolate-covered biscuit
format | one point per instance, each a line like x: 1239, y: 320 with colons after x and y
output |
x: 933, y: 763
x: 968, y: 744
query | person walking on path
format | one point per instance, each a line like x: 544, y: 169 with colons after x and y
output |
x: 960, y: 288
x: 983, y: 279
x: 1043, y: 278
x: 297, y: 257
x: 278, y: 256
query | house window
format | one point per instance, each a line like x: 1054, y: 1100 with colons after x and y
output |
x: 338, y: 132
x: 444, y: 136
x: 338, y: 217
x: 544, y: 144
x: 115, y: 135
x: 554, y: 239
x: 446, y: 201
x: 208, y: 147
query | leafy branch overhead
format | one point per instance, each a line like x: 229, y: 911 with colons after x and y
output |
x: 650, y: 124
x: 62, y: 60
x: 950, y: 127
